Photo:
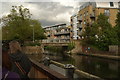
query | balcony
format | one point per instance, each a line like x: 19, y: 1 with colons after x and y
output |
x: 79, y: 18
x: 92, y: 16
x: 62, y: 33
x: 79, y: 25
x: 79, y: 33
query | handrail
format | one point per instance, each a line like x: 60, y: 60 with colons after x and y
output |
x: 87, y: 75
x: 57, y: 63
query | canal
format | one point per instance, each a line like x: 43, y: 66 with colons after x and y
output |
x: 104, y: 68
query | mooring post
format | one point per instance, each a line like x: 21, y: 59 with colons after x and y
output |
x: 69, y: 71
x: 46, y: 61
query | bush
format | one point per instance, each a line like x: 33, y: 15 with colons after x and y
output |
x: 71, y: 46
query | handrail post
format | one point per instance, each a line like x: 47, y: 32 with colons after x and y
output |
x: 46, y: 61
x: 69, y: 71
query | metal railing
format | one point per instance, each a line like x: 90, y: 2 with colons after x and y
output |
x: 92, y: 15
x: 62, y: 33
x: 59, y: 40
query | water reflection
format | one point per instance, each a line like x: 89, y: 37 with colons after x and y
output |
x: 100, y: 67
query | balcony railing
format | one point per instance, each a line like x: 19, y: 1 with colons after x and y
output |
x: 80, y: 33
x: 92, y: 15
x: 79, y: 25
x: 79, y: 18
x: 62, y: 33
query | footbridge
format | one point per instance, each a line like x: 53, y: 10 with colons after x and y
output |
x: 55, y: 42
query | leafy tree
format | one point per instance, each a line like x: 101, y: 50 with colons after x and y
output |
x: 17, y: 25
x: 117, y: 27
x: 100, y: 34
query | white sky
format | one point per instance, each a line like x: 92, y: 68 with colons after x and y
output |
x: 48, y: 12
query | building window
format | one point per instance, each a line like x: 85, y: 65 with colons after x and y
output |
x: 111, y: 4
x: 107, y: 12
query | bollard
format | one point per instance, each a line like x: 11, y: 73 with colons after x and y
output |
x: 70, y: 71
x: 46, y: 61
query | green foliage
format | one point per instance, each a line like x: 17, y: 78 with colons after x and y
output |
x: 118, y: 19
x: 71, y: 45
x: 117, y: 27
x: 17, y: 25
x: 100, y: 34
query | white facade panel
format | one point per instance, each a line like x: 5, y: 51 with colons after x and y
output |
x: 75, y: 27
x: 106, y: 5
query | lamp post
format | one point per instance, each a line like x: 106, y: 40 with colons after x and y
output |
x: 33, y: 32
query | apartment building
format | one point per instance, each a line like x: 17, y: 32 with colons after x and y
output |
x: 119, y: 4
x: 57, y: 33
x: 88, y: 14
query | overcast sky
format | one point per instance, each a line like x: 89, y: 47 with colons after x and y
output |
x: 47, y: 12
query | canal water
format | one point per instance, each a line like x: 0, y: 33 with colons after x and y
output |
x: 104, y: 68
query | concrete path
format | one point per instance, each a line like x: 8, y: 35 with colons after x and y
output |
x: 102, y: 56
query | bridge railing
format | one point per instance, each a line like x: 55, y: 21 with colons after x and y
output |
x: 65, y: 40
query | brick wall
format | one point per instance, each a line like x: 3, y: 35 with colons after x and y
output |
x: 32, y: 49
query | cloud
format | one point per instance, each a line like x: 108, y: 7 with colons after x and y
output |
x: 45, y: 12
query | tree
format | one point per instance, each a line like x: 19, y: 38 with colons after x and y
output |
x: 71, y: 46
x: 100, y: 34
x: 17, y: 25
x: 117, y: 27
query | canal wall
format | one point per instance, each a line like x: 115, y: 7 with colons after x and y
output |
x: 32, y: 49
x: 114, y: 49
x: 78, y: 47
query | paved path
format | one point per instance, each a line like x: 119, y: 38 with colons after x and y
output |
x: 102, y: 56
